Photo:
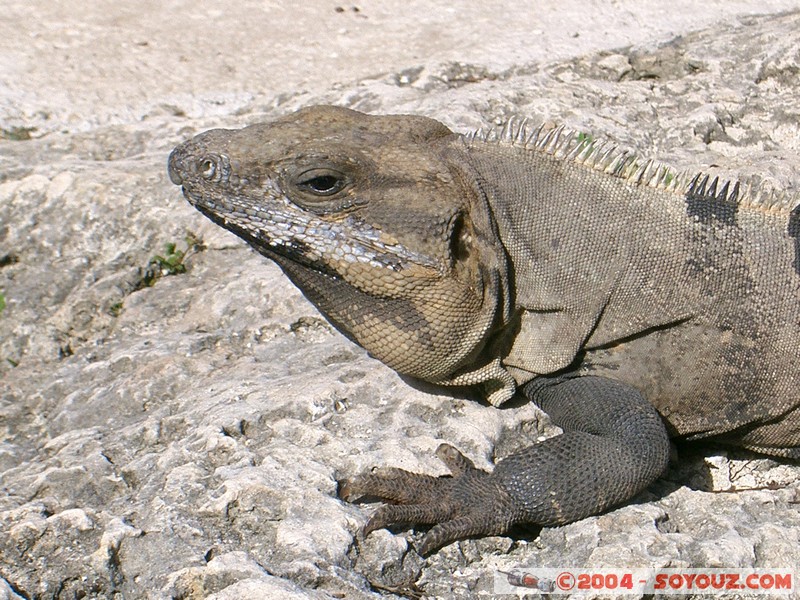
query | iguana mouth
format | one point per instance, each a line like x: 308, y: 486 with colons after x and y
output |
x: 296, y: 252
x: 330, y: 247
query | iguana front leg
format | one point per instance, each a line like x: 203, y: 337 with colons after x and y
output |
x: 613, y: 446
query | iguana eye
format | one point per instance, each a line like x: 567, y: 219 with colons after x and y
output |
x: 321, y: 182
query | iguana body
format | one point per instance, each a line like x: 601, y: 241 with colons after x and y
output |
x: 630, y: 303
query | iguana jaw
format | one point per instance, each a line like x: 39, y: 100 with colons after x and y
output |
x: 345, y: 246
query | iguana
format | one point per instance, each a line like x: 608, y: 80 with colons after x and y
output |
x: 629, y: 302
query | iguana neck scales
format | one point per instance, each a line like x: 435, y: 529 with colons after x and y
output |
x: 628, y: 301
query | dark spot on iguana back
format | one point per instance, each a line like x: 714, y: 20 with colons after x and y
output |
x: 721, y: 275
x: 794, y: 231
x: 710, y: 207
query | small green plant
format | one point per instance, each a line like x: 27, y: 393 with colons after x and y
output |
x: 115, y: 309
x: 173, y: 261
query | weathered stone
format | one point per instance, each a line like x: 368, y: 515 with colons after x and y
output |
x: 185, y: 439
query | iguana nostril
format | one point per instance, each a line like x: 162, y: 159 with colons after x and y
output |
x: 207, y: 168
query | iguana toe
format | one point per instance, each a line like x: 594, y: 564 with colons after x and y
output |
x: 467, y: 503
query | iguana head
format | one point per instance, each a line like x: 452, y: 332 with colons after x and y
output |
x: 371, y: 217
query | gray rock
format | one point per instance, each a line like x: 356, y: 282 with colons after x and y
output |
x: 185, y: 439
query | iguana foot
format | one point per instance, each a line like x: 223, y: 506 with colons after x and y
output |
x: 468, y: 503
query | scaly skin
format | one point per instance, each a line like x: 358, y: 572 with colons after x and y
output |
x: 628, y: 302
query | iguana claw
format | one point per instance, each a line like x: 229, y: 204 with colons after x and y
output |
x: 465, y: 504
